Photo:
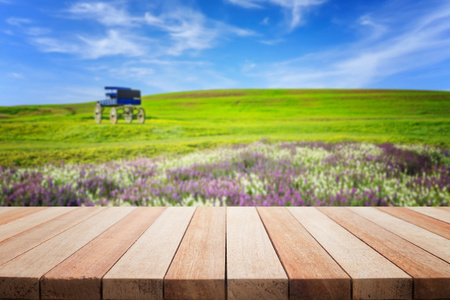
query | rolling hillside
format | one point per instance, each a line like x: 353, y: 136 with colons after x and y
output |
x: 184, y: 122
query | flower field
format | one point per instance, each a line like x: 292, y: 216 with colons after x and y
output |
x: 262, y: 173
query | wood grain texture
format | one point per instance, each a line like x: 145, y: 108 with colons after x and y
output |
x: 426, y: 240
x: 313, y: 274
x: 431, y: 224
x: 29, y: 239
x: 7, y: 209
x: 373, y: 276
x: 253, y: 268
x: 9, y: 214
x: 140, y: 272
x: 434, y: 212
x: 198, y: 268
x: 79, y: 276
x: 19, y: 278
x: 17, y: 226
x: 431, y: 275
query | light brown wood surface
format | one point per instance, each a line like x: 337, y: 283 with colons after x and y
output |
x: 19, y: 278
x: 198, y: 268
x: 373, y: 276
x: 431, y: 224
x: 445, y: 208
x: 429, y: 241
x: 431, y: 274
x: 186, y: 253
x: 79, y: 276
x: 434, y: 212
x: 253, y: 268
x: 14, y: 213
x: 17, y: 226
x: 140, y: 272
x: 313, y: 273
x: 29, y: 239
x: 5, y: 210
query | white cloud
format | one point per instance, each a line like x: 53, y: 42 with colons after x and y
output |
x: 37, y: 31
x: 103, y: 13
x: 93, y: 47
x: 421, y: 42
x: 46, y: 44
x: 248, y: 66
x: 378, y: 30
x: 272, y: 42
x: 191, y: 30
x: 265, y: 21
x: 170, y: 75
x: 248, y: 3
x: 18, y: 21
x: 186, y: 28
x: 295, y: 8
x: 24, y: 26
x: 114, y: 43
x: 173, y: 32
x: 16, y: 75
x: 167, y: 62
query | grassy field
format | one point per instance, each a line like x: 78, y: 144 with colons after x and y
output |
x: 184, y: 122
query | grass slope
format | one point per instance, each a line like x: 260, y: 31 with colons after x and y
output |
x: 183, y: 122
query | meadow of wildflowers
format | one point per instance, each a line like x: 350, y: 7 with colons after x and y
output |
x: 262, y: 173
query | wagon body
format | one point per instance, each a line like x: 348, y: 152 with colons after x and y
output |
x: 119, y: 102
x: 121, y: 98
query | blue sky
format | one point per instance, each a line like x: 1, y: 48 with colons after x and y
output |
x: 66, y: 51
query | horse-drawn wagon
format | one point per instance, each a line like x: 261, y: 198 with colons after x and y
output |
x: 121, y: 98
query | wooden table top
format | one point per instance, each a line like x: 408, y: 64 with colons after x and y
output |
x: 224, y: 253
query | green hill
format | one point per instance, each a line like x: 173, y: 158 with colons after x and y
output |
x: 183, y: 122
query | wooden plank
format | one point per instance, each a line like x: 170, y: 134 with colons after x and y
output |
x: 9, y: 214
x: 426, y: 240
x: 253, y: 268
x: 19, y: 278
x: 6, y: 209
x: 433, y: 212
x: 79, y: 276
x: 313, y: 274
x: 17, y: 226
x: 431, y: 275
x: 139, y: 274
x: 431, y: 224
x: 198, y: 268
x: 373, y: 276
x: 29, y: 239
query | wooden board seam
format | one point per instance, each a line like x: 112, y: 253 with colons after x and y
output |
x: 36, y: 225
x: 101, y: 279
x: 178, y: 247
x: 226, y: 253
x: 276, y: 251
x: 374, y: 248
x: 414, y: 296
x: 43, y: 241
x: 351, y: 279
x: 403, y: 238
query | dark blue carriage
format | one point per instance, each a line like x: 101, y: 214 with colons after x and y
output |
x: 121, y: 98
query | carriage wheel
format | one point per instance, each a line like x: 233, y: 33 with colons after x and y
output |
x: 141, y: 116
x: 113, y: 115
x: 128, y: 114
x: 98, y: 113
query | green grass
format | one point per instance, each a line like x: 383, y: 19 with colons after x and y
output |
x: 184, y: 122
